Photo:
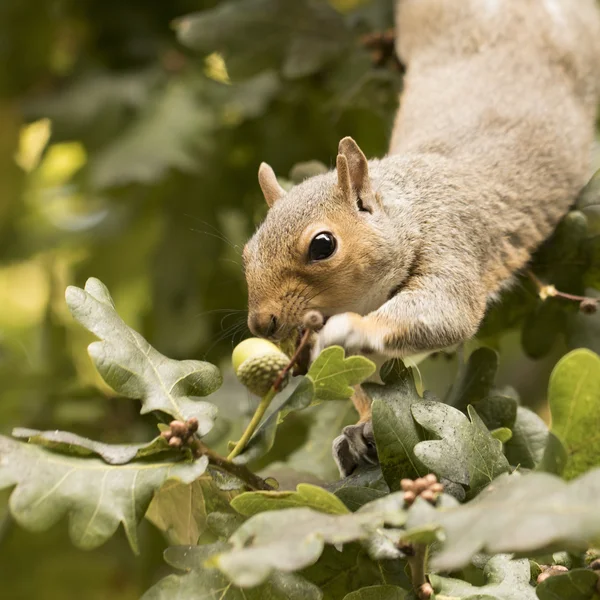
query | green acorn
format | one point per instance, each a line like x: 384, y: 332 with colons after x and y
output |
x: 257, y: 364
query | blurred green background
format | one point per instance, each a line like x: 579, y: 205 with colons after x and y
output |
x: 130, y: 154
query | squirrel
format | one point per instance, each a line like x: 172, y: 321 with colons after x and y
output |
x: 490, y: 146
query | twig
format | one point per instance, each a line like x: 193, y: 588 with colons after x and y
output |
x: 417, y: 565
x: 418, y: 569
x: 293, y: 360
x: 549, y: 291
x: 240, y: 471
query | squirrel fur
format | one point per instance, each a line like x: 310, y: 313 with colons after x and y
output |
x: 490, y: 147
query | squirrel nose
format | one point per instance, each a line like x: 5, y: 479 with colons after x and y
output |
x: 262, y: 324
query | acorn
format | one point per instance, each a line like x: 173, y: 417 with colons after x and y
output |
x: 257, y: 364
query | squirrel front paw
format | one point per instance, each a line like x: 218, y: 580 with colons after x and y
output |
x: 355, y: 447
x: 354, y: 333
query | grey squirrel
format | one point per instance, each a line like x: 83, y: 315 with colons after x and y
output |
x: 490, y: 146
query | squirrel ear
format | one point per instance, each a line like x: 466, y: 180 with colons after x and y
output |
x: 353, y: 173
x: 269, y: 185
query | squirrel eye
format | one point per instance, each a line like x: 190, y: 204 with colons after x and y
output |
x: 322, y: 246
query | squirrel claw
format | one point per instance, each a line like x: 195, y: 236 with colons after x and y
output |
x: 350, y: 331
x: 355, y: 447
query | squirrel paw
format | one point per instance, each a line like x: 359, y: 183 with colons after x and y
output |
x: 351, y: 331
x: 355, y: 447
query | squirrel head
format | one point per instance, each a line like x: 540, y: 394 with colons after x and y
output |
x: 324, y: 245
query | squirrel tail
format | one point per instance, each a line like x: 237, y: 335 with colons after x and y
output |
x: 566, y: 31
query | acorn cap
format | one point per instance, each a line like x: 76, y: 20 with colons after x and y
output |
x: 257, y: 364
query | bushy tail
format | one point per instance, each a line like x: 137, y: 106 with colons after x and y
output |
x: 566, y: 31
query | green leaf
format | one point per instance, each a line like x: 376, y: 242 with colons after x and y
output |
x: 378, y: 592
x: 181, y: 509
x: 497, y: 411
x: 505, y: 580
x: 578, y: 584
x: 310, y: 496
x: 502, y: 434
x: 135, y: 369
x: 96, y: 496
x: 75, y: 445
x: 517, y: 303
x: 592, y: 275
x: 475, y: 380
x: 396, y: 433
x: 562, y: 260
x: 253, y: 35
x: 168, y: 134
x: 355, y: 497
x: 524, y: 514
x: 263, y: 439
x: 465, y: 452
x: 340, y: 571
x: 583, y: 331
x: 200, y: 582
x: 574, y: 398
x: 291, y: 539
x: 363, y: 477
x: 542, y: 328
x: 555, y: 456
x: 529, y: 440
x: 333, y: 375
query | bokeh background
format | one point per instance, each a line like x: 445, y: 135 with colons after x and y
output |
x: 129, y: 148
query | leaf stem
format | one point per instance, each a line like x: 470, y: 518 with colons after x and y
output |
x: 256, y: 419
x: 268, y: 398
x: 418, y: 566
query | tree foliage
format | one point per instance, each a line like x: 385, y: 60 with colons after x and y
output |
x: 132, y: 134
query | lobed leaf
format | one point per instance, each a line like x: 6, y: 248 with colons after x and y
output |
x: 465, y: 453
x: 333, y: 374
x: 75, y: 445
x: 505, y: 580
x: 135, y: 369
x: 535, y: 512
x: 292, y: 539
x: 577, y: 584
x: 97, y: 497
x: 199, y: 581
